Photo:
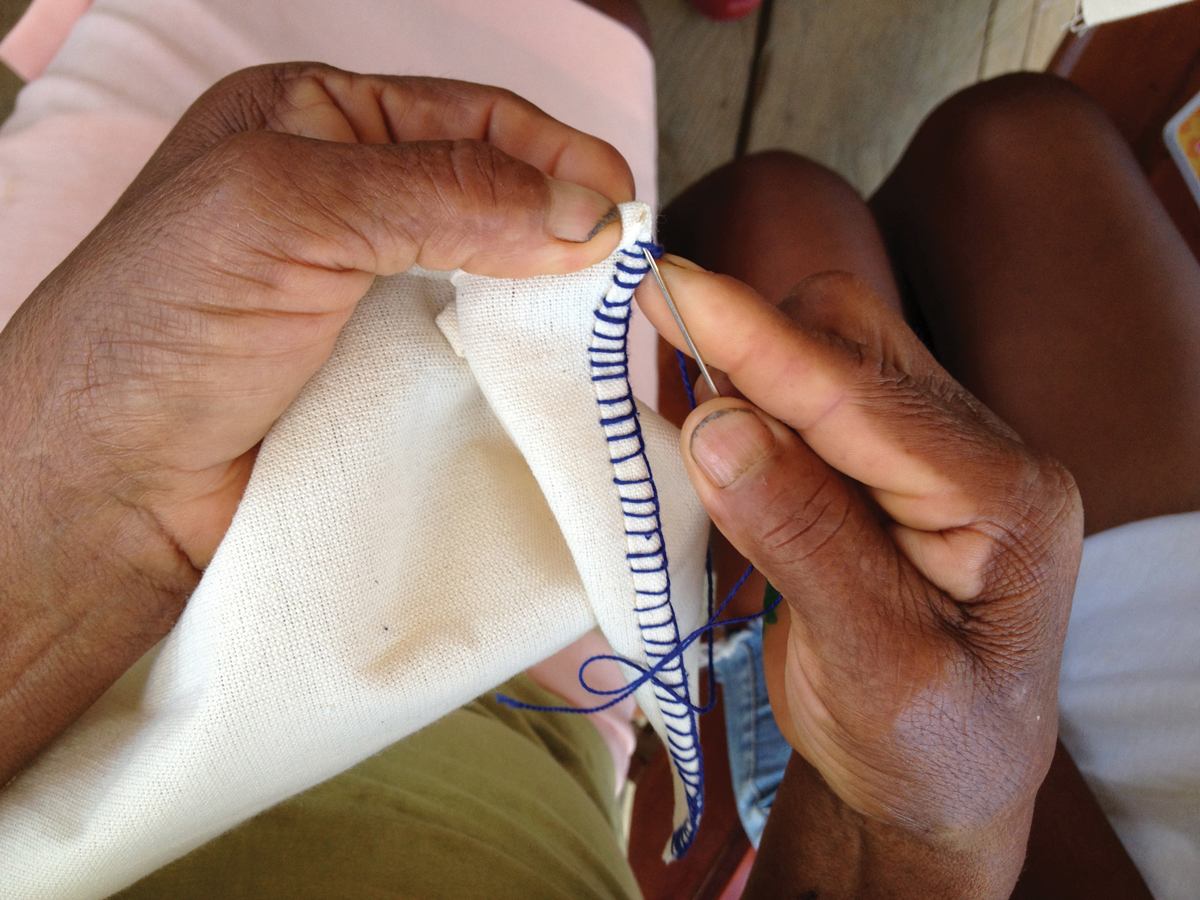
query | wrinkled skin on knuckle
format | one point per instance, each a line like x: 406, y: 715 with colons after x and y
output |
x: 1037, y: 526
x: 795, y: 523
x: 294, y: 89
x: 473, y: 195
x: 932, y: 414
x: 263, y: 206
x: 247, y: 100
x: 257, y: 174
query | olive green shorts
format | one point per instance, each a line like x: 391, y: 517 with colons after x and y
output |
x: 487, y: 802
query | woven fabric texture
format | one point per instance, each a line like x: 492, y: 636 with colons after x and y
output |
x: 437, y: 511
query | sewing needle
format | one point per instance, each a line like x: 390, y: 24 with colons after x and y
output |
x: 678, y: 321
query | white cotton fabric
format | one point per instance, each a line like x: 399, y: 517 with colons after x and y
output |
x: 419, y: 527
x: 129, y: 68
x: 1129, y: 692
x: 1096, y: 12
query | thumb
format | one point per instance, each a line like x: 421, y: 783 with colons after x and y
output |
x: 786, y: 510
x: 851, y: 619
x: 383, y: 208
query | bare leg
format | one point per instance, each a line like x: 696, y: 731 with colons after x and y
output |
x: 1056, y: 288
x: 773, y: 219
x: 1058, y: 291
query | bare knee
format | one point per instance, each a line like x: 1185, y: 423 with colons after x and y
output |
x: 774, y: 218
x: 996, y: 128
x: 776, y: 179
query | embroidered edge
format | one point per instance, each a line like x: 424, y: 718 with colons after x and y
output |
x: 646, y: 546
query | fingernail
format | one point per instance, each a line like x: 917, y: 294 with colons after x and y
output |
x: 672, y: 260
x: 577, y: 213
x: 729, y: 442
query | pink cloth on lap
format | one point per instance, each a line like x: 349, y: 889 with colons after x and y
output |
x: 34, y: 40
x: 58, y: 178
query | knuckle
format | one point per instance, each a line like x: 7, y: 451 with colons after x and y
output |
x: 453, y: 177
x: 1043, y: 506
x: 489, y: 176
x: 238, y: 175
x: 238, y: 205
x: 249, y: 99
x: 800, y: 521
x: 1037, y: 530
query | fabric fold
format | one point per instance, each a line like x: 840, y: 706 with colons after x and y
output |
x: 419, y: 527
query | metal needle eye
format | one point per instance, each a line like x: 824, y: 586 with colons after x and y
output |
x: 678, y: 321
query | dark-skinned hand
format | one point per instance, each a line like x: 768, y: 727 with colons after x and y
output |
x: 141, y: 375
x: 927, y: 559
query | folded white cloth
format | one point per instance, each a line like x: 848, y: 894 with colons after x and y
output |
x: 1096, y: 12
x: 463, y: 488
x: 1129, y: 692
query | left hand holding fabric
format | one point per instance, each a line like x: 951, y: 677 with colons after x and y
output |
x: 142, y: 373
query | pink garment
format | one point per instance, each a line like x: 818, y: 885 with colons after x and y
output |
x: 34, y: 40
x: 58, y: 178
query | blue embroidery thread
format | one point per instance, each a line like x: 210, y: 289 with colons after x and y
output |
x: 646, y: 552
x: 646, y: 546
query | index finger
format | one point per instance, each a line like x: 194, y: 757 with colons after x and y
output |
x: 421, y: 109
x: 321, y: 102
x: 920, y: 447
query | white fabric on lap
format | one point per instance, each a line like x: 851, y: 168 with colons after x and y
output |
x: 418, y: 528
x: 1129, y: 693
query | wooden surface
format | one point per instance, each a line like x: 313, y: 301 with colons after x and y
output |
x: 844, y: 82
x: 702, y: 71
x: 848, y: 83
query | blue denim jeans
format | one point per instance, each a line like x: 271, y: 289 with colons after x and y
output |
x: 757, y: 751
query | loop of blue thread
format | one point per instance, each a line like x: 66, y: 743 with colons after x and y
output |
x: 650, y: 674
x: 682, y: 837
x: 656, y: 250
x: 687, y: 382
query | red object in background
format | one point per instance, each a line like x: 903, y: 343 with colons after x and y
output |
x: 725, y: 10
